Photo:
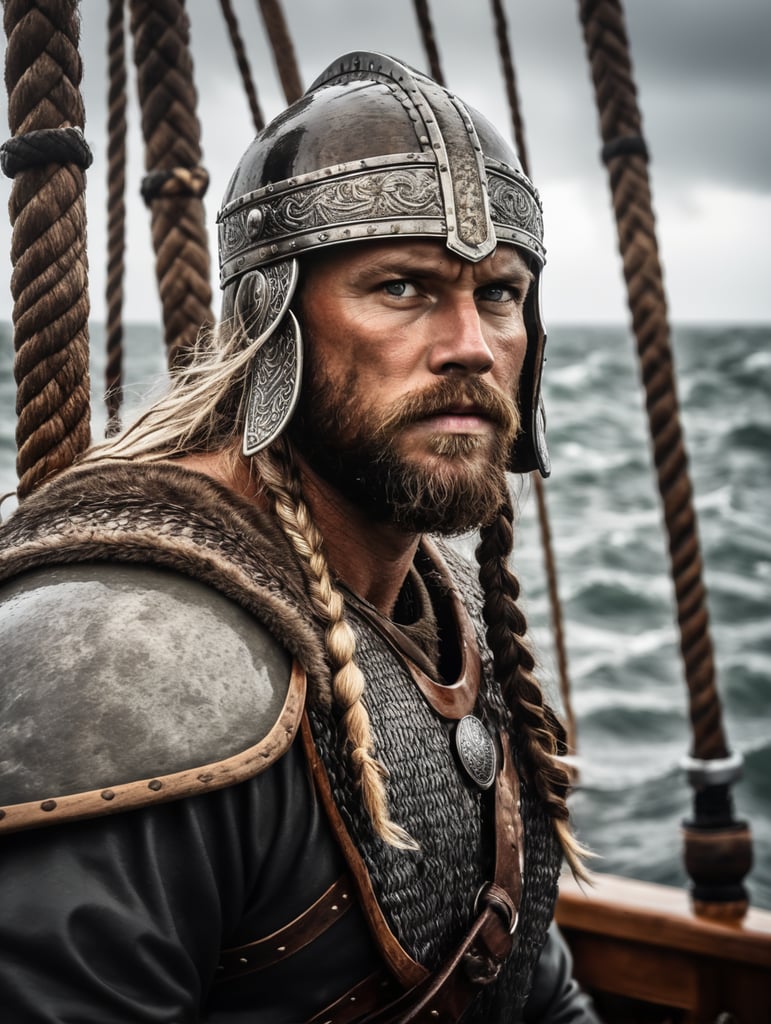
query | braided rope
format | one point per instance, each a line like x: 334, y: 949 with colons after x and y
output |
x: 423, y: 14
x: 239, y: 51
x: 172, y: 149
x: 550, y: 566
x: 283, y: 50
x: 116, y: 212
x: 49, y: 282
x: 717, y: 848
x: 608, y: 51
x: 278, y: 473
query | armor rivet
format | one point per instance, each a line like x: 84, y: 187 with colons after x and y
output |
x: 437, y: 145
x: 243, y: 960
x: 335, y: 906
x: 395, y: 228
x: 423, y: 140
x: 371, y: 230
x: 107, y: 794
x: 269, y: 188
x: 281, y: 949
x: 205, y: 777
x: 254, y: 221
x: 352, y: 999
x: 443, y: 167
x: 347, y: 233
x: 240, y: 261
x: 345, y: 895
x: 155, y: 785
x: 323, y: 236
x: 274, y: 249
x: 48, y: 805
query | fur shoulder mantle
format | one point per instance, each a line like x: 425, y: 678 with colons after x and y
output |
x: 163, y: 515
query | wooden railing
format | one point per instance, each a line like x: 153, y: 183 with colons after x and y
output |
x: 646, y: 957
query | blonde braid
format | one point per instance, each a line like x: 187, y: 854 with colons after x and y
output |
x: 279, y: 475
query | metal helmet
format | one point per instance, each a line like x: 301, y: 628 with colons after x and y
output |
x: 373, y: 150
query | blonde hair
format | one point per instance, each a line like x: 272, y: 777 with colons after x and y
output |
x: 201, y: 410
x: 278, y: 472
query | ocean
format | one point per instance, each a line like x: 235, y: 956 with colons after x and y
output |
x: 623, y: 652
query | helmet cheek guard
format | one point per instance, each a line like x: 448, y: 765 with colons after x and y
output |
x: 373, y: 150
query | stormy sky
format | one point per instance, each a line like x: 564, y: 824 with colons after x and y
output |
x: 703, y: 73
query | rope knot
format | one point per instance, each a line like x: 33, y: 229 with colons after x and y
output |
x: 625, y: 145
x: 65, y: 145
x: 179, y: 181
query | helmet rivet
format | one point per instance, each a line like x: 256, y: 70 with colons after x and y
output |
x: 323, y: 236
x: 371, y: 230
x: 423, y: 140
x: 254, y: 221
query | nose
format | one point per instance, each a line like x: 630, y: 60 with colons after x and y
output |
x: 459, y: 345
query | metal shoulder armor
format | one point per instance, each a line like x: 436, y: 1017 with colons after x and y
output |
x: 124, y: 685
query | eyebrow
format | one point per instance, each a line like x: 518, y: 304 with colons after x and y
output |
x: 404, y: 263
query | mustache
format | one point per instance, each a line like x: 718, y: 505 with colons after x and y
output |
x: 448, y: 393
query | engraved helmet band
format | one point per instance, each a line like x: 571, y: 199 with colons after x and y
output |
x: 373, y: 150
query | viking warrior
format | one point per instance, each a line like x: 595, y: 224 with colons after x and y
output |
x: 272, y: 750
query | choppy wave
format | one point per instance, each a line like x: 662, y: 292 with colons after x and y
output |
x: 614, y: 579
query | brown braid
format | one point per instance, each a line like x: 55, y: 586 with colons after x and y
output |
x: 279, y: 474
x: 514, y: 665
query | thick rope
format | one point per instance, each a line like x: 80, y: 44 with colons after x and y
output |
x: 550, y: 566
x: 283, y: 50
x: 239, y: 51
x: 116, y: 212
x: 608, y: 51
x: 175, y: 182
x: 49, y: 282
x: 719, y: 868
x: 426, y: 27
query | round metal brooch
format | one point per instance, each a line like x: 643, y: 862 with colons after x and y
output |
x: 476, y: 751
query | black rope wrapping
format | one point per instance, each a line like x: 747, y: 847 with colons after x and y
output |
x: 180, y: 181
x: 45, y: 146
x: 625, y: 145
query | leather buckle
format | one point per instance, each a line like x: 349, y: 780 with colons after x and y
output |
x: 494, y: 896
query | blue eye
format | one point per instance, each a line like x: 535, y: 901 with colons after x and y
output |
x: 498, y: 293
x: 400, y: 289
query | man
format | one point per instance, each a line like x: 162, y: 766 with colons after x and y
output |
x: 292, y: 756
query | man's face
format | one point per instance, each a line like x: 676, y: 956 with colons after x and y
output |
x: 413, y: 360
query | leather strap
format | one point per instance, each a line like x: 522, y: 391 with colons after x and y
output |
x: 442, y: 997
x: 304, y: 929
x: 377, y: 990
